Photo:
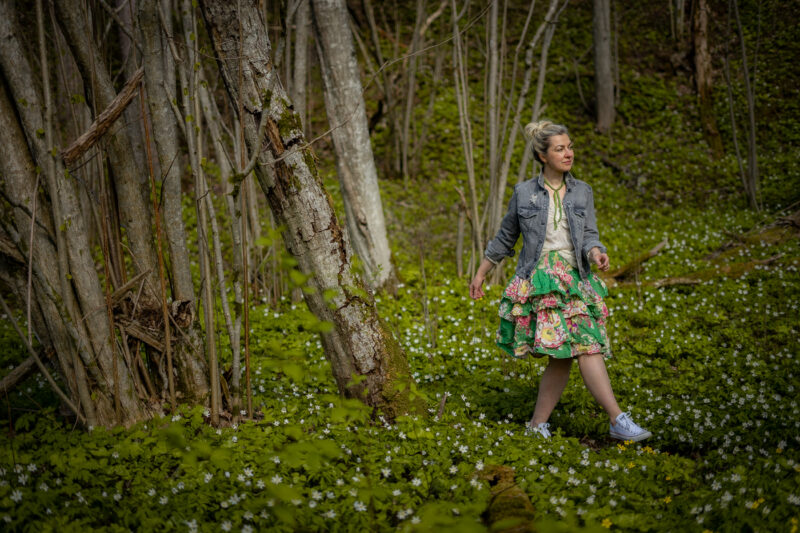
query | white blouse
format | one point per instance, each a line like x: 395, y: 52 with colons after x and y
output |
x: 559, y: 238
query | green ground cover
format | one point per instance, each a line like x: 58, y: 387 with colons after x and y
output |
x: 710, y: 369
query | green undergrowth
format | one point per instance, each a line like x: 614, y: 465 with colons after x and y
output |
x: 710, y: 369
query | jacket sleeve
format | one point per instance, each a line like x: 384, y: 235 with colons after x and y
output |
x: 503, y: 243
x: 591, y: 237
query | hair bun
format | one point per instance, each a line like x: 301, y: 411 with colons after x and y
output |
x: 533, y: 128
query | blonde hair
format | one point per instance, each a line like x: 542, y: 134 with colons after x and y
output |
x: 540, y: 132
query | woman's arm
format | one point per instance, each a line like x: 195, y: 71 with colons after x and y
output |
x: 502, y: 245
x: 498, y: 248
x: 476, y: 287
x: 592, y: 247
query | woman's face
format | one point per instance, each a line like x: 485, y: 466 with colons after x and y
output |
x: 559, y: 154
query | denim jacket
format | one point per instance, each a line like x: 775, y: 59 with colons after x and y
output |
x: 527, y: 214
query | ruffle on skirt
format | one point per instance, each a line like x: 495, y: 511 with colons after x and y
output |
x: 554, y: 313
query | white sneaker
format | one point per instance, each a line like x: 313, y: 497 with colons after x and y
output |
x: 538, y: 429
x: 627, y: 429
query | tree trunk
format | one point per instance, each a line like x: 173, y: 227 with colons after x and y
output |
x: 129, y: 180
x: 704, y: 78
x: 465, y: 127
x: 752, y: 152
x: 411, y: 89
x: 302, y: 20
x: 496, y: 193
x: 161, y: 89
x: 354, y: 162
x: 358, y: 344
x: 603, y: 73
x: 71, y: 295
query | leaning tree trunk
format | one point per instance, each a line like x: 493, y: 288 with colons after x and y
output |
x: 358, y: 345
x: 704, y: 78
x: 603, y: 72
x: 350, y: 133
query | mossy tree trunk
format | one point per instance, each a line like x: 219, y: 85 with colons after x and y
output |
x: 367, y: 361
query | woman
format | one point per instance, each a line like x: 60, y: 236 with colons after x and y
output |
x: 554, y: 304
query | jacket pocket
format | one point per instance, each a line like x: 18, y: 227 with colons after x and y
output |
x: 528, y: 217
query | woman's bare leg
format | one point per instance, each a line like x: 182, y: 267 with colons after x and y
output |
x: 554, y: 379
x: 593, y: 370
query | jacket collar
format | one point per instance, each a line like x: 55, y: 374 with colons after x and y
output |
x: 567, y: 177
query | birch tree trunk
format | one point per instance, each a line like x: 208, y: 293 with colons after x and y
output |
x: 704, y: 78
x: 358, y: 344
x: 354, y: 159
x: 493, y: 119
x: 603, y: 70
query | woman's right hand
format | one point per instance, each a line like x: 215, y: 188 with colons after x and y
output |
x: 476, y: 287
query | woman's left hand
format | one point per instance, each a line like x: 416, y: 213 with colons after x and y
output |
x: 599, y: 258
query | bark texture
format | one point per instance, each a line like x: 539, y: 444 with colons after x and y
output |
x: 130, y: 180
x: 355, y: 163
x: 704, y: 77
x: 70, y: 293
x: 603, y: 71
x: 161, y: 87
x: 358, y: 344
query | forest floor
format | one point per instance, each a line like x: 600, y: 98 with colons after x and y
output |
x: 709, y: 368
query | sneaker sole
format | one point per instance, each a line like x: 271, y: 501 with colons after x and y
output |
x: 636, y: 438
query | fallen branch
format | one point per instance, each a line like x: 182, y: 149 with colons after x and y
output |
x: 103, y: 121
x: 40, y: 364
x: 635, y: 266
x: 139, y: 332
x: 777, y: 231
x: 17, y: 376
x: 117, y: 295
x: 734, y: 270
x: 633, y: 177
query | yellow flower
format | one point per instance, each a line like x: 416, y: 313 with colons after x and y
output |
x: 668, y: 478
x: 548, y: 334
x: 631, y: 464
x: 667, y: 499
x: 606, y: 523
x: 757, y: 503
x: 794, y: 525
x: 779, y: 450
x: 648, y: 449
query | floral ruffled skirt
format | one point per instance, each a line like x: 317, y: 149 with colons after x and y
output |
x: 554, y: 313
